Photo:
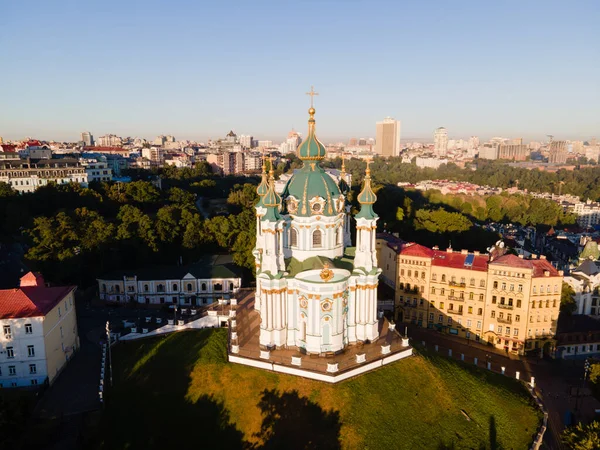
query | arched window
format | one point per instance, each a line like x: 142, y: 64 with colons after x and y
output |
x: 293, y: 237
x: 218, y: 287
x: 204, y: 286
x: 160, y: 288
x: 145, y: 288
x: 443, y: 278
x: 175, y: 287
x: 230, y: 286
x: 189, y: 287
x: 317, y: 239
x: 104, y: 288
x: 117, y: 288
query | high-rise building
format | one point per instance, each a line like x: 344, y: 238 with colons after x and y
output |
x: 387, y: 140
x: 473, y: 142
x: 440, y: 141
x: 558, y: 152
x: 109, y: 140
x: 87, y: 138
x: 160, y: 140
x: 513, y: 152
x: 352, y: 142
x: 246, y: 141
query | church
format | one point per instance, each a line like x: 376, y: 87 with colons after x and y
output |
x: 314, y: 292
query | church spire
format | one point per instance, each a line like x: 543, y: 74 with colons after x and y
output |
x: 311, y: 149
x: 367, y: 197
x: 263, y: 187
x: 271, y: 200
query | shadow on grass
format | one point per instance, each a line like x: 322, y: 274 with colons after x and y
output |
x: 149, y: 409
x: 493, y: 440
x: 294, y: 422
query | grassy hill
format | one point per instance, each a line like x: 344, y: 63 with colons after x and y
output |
x: 179, y: 392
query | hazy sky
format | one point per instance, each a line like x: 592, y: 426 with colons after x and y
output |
x: 196, y: 69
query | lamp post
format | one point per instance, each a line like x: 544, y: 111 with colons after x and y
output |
x: 109, y: 352
x: 586, y: 369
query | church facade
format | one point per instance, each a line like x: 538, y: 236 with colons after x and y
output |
x: 313, y: 291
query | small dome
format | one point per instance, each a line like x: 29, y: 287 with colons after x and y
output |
x: 311, y: 149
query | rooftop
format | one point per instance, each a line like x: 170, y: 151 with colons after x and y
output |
x: 538, y: 266
x: 32, y: 299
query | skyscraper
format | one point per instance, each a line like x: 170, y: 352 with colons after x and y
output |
x: 558, y: 152
x: 440, y: 141
x: 87, y: 138
x: 388, y: 137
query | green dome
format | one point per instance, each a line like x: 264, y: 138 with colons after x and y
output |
x: 367, y: 198
x: 311, y: 148
x: 305, y: 187
x: 263, y: 187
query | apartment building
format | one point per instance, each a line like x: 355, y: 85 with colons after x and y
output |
x: 38, y: 332
x: 506, y: 301
x: 26, y: 175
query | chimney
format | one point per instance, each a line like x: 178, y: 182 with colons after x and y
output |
x: 542, y: 256
x: 435, y: 247
x: 561, y: 272
x: 464, y: 252
x: 533, y: 256
x: 476, y: 253
x: 521, y: 256
x: 449, y: 250
x: 546, y: 273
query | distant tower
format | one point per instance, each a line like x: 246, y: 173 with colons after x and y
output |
x: 87, y: 138
x: 388, y: 137
x: 440, y: 141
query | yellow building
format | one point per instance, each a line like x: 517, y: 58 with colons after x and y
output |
x: 508, y: 302
x: 39, y: 332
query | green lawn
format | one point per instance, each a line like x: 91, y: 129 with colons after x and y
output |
x: 179, y: 392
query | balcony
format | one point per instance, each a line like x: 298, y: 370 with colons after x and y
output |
x: 457, y: 312
x: 455, y: 298
x: 501, y: 306
x: 456, y: 284
x: 503, y: 320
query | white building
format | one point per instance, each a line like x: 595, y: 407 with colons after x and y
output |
x: 440, y: 141
x: 588, y: 213
x: 27, y: 176
x: 311, y: 295
x: 97, y: 170
x: 265, y: 144
x: 193, y: 285
x: 109, y: 140
x: 432, y: 163
x: 38, y: 327
x: 246, y: 141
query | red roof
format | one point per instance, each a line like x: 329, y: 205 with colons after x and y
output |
x: 458, y: 260
x: 9, y: 148
x: 539, y: 266
x: 32, y: 299
x: 413, y: 249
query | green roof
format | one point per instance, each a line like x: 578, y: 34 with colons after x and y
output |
x: 294, y: 266
x: 311, y: 148
x: 309, y: 182
x: 203, y: 270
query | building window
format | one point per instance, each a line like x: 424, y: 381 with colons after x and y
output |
x: 495, y: 285
x: 61, y: 332
x: 293, y: 237
x: 449, y: 320
x: 470, y: 309
x: 432, y: 290
x: 7, y: 332
x: 175, y: 287
x: 189, y: 287
x: 218, y: 287
x: 468, y: 323
x: 401, y: 272
x: 117, y: 289
x: 431, y: 317
x: 422, y: 275
x: 440, y: 318
x: 28, y: 328
x: 160, y: 288
x: 317, y: 239
x: 520, y: 288
x: 443, y: 291
x: 493, y: 299
x: 516, y: 332
x: 479, y: 324
x: 472, y: 282
x: 146, y: 288
x: 30, y: 350
x: 482, y: 283
x: 203, y: 286
x: 517, y: 318
x: 59, y: 313
x: 493, y: 314
x: 443, y: 278
x: 32, y: 369
x: 503, y: 286
x: 10, y: 352
x: 441, y: 305
x: 434, y: 277
x: 518, y: 303
x: 479, y: 311
x: 410, y: 273
x: 12, y: 370
x: 480, y: 297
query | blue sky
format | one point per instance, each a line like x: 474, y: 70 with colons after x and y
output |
x: 197, y: 69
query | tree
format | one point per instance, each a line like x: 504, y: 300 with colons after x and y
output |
x: 595, y: 379
x: 567, y: 300
x: 441, y: 221
x: 136, y: 226
x: 6, y: 190
x: 399, y: 214
x: 183, y: 198
x: 582, y: 437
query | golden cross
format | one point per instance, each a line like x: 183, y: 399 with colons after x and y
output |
x: 312, y: 94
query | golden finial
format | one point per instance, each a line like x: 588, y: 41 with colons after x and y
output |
x: 271, y: 171
x: 264, y: 164
x: 343, y: 163
x: 369, y: 161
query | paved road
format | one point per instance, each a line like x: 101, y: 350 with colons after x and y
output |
x: 554, y: 379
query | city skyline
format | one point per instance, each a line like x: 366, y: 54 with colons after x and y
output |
x: 475, y: 69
